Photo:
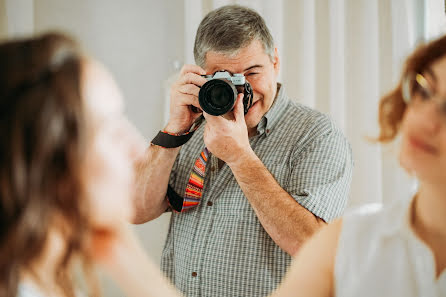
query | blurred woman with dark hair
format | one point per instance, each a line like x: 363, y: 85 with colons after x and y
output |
x: 66, y: 171
x: 399, y: 250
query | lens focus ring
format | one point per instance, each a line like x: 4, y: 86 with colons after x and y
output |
x: 217, y: 96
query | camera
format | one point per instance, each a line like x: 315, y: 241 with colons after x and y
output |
x: 218, y: 95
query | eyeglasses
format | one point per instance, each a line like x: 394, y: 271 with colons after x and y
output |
x: 416, y: 90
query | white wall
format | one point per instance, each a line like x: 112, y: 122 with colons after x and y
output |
x: 18, y: 17
x: 3, y: 22
x: 130, y: 38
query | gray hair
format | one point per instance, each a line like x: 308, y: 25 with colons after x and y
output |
x: 228, y: 29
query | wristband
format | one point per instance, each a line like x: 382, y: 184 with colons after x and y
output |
x: 171, y: 140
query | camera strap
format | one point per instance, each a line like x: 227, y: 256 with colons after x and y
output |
x: 194, y: 187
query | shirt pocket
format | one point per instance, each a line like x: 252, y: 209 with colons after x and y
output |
x: 234, y: 205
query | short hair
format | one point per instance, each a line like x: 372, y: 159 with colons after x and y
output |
x: 392, y: 106
x: 228, y: 29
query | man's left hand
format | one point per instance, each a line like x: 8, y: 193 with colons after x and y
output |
x: 227, y: 136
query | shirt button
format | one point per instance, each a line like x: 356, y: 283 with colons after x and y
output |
x: 212, y: 168
x: 194, y: 274
x: 267, y: 130
x: 210, y: 203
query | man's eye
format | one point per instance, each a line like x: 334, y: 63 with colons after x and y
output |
x: 252, y: 74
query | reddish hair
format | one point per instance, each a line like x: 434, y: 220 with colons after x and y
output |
x: 392, y: 105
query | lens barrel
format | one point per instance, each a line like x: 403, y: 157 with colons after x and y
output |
x: 217, y: 96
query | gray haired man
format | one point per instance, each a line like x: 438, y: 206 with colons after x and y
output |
x: 273, y: 176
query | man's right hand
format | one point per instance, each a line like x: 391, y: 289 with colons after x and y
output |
x: 184, y: 95
x: 154, y: 168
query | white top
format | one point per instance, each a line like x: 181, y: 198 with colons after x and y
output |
x: 379, y: 255
x: 27, y: 289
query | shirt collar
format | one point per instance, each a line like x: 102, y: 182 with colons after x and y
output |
x: 274, y: 114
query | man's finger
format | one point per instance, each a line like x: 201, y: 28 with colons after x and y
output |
x: 189, y: 100
x: 239, y: 112
x: 189, y: 89
x: 213, y: 120
x: 191, y: 78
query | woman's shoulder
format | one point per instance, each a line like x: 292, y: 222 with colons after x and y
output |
x: 362, y: 218
x: 364, y: 233
x: 373, y: 220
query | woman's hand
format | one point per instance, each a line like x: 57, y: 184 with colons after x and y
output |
x: 121, y: 255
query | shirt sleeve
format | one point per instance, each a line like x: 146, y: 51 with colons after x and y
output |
x: 321, y: 174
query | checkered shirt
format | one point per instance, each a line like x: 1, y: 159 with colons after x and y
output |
x: 219, y: 248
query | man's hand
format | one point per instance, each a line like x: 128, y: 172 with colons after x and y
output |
x: 227, y: 136
x: 183, y: 95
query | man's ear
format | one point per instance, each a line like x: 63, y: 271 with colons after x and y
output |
x: 276, y: 61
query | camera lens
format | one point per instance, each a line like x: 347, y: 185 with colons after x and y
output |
x: 217, y: 97
x: 220, y: 97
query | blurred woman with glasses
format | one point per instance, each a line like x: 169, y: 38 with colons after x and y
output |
x: 399, y: 250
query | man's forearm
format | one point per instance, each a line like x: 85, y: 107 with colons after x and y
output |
x: 152, y: 177
x: 287, y: 222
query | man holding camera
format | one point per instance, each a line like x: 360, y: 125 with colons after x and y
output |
x: 250, y: 186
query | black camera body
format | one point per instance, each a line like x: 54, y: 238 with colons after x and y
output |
x: 218, y: 95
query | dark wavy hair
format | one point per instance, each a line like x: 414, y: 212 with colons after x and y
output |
x: 392, y: 106
x: 42, y: 144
